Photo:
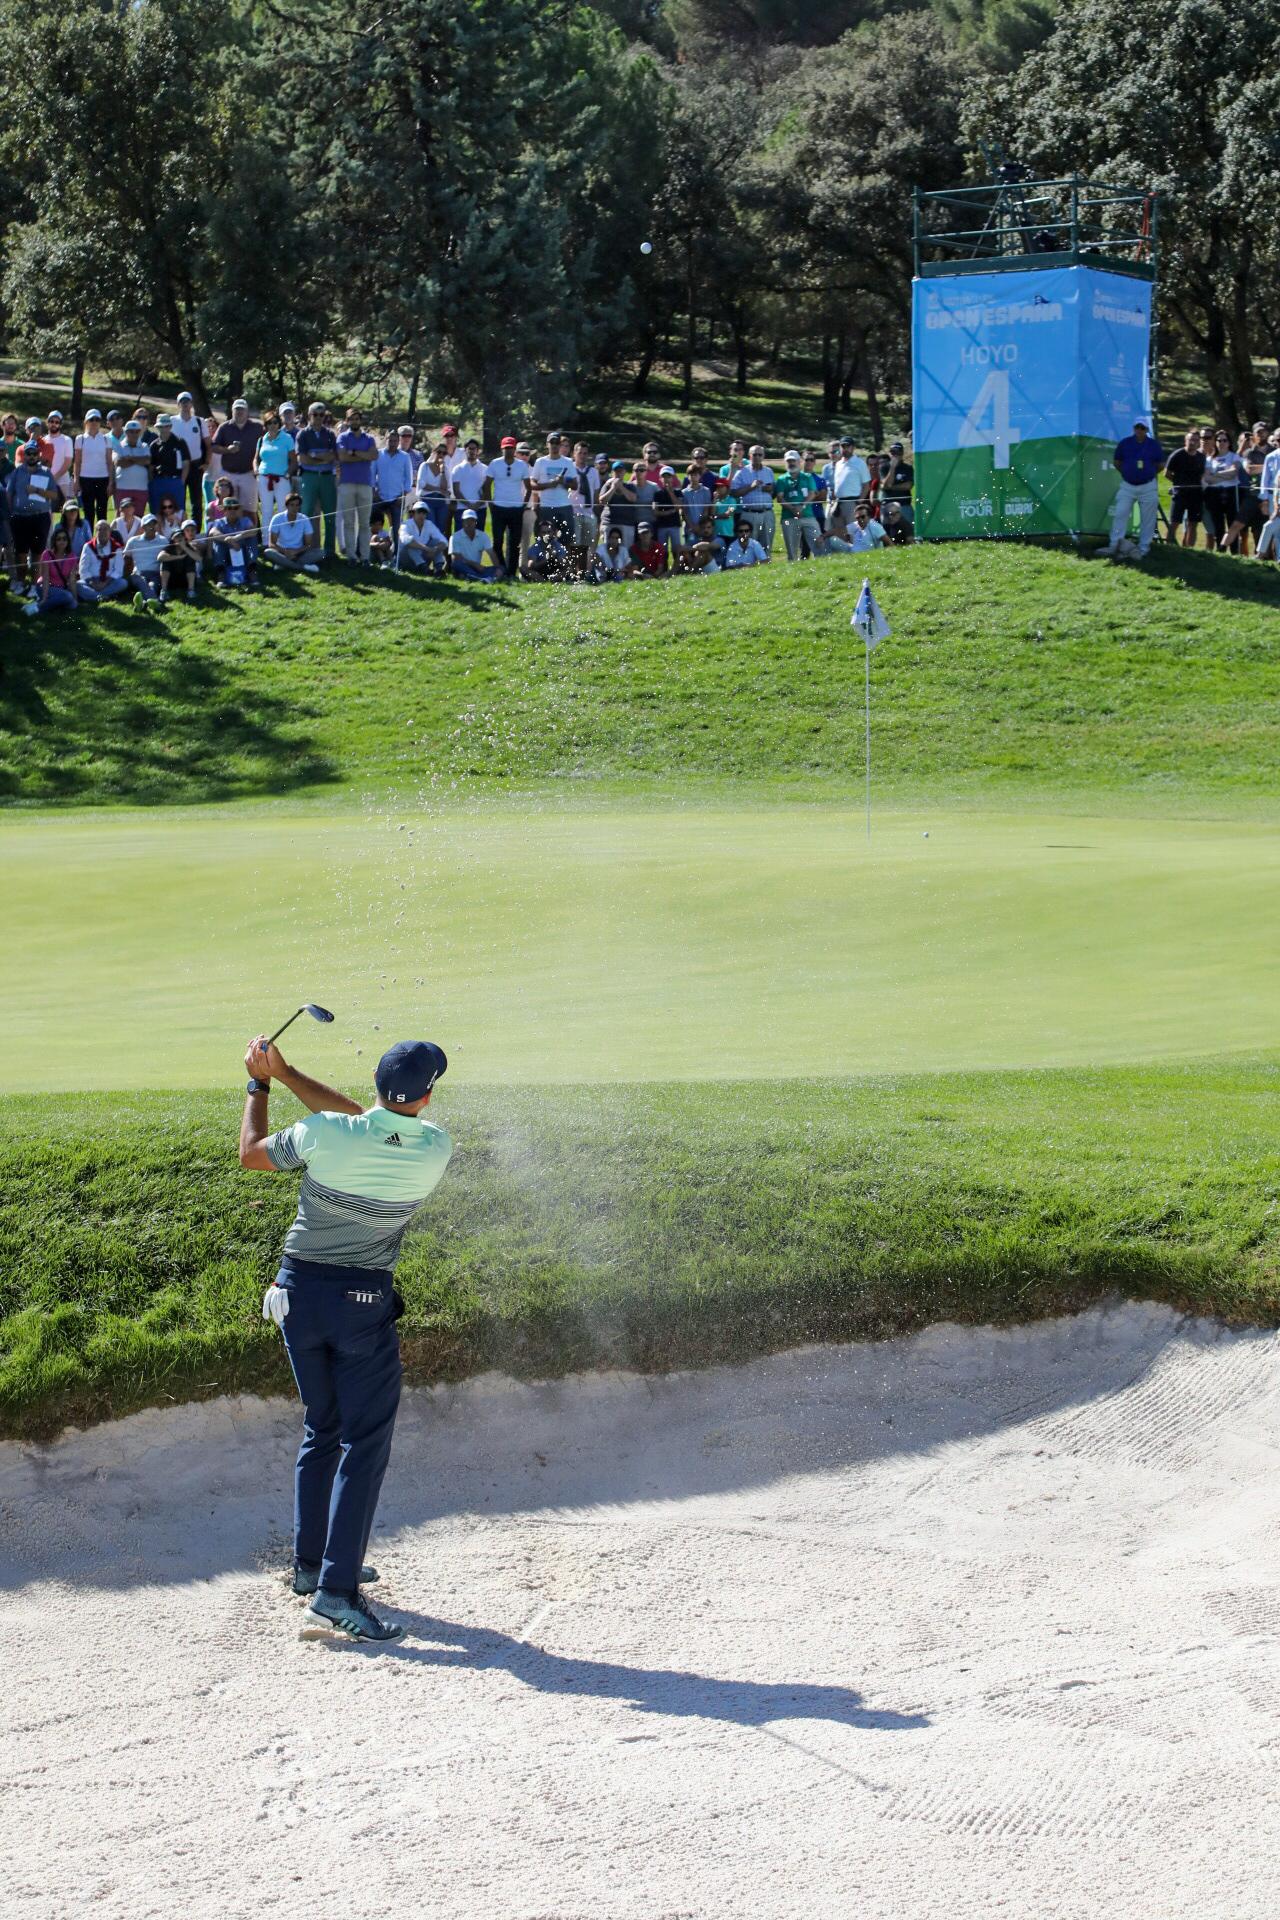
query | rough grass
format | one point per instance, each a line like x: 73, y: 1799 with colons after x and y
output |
x: 644, y: 1227
x: 1010, y: 673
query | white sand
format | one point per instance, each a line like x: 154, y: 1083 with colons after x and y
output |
x: 975, y: 1624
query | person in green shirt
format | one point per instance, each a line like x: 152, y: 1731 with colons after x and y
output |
x: 797, y: 491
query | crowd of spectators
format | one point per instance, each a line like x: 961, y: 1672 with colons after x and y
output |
x: 153, y: 509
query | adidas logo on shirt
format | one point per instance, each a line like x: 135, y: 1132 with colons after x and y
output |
x: 393, y: 1140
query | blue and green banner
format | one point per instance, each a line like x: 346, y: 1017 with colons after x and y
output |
x: 1023, y: 381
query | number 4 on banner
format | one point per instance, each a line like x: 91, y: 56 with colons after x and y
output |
x: 999, y: 436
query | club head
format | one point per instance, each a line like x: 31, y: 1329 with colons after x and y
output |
x: 318, y: 1013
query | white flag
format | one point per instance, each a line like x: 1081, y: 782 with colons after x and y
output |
x: 868, y: 620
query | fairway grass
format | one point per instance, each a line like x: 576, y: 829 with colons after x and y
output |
x: 646, y: 1227
x: 615, y: 944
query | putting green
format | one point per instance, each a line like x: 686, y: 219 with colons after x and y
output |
x: 611, y: 944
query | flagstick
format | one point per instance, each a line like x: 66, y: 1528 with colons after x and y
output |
x: 867, y: 651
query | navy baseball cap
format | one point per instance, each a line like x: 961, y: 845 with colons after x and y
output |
x: 408, y: 1071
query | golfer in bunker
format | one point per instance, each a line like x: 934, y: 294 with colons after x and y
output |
x: 364, y: 1175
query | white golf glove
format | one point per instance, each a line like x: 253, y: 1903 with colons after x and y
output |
x: 275, y: 1304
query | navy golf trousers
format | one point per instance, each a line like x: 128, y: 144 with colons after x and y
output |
x: 345, y: 1353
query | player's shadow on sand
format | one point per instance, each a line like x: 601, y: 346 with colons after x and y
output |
x: 663, y: 1690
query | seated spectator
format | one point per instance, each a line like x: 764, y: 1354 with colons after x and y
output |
x: 291, y: 538
x: 898, y: 530
x: 142, y: 560
x: 233, y: 546
x: 470, y: 547
x: 1268, y: 542
x: 613, y: 562
x: 169, y: 464
x: 549, y: 557
x: 382, y: 547
x: 862, y: 536
x: 180, y: 559
x: 223, y: 490
x: 74, y: 526
x: 648, y: 555
x: 703, y: 551
x: 101, y: 566
x: 57, y: 579
x: 422, y: 547
x: 744, y: 550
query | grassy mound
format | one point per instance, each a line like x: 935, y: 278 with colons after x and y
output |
x: 1010, y: 671
x: 644, y: 1227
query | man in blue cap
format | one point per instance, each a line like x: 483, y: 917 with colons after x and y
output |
x: 364, y: 1175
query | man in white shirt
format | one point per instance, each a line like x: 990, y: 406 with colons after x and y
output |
x: 752, y: 489
x: 743, y: 550
x: 101, y: 565
x: 467, y: 484
x: 1268, y: 543
x: 469, y: 546
x: 421, y: 548
x: 189, y: 428
x: 64, y: 453
x: 850, y: 482
x: 291, y: 538
x: 863, y: 536
x: 1269, y: 484
x: 507, y: 489
x: 553, y: 475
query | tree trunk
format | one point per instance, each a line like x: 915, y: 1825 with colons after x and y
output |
x: 413, y: 395
x: 640, y: 385
x: 1243, y: 380
x: 235, y: 385
x: 691, y: 324
x: 740, y: 344
x: 77, y: 386
x: 862, y: 361
x: 830, y: 386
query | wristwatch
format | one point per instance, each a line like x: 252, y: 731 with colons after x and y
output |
x: 258, y: 1086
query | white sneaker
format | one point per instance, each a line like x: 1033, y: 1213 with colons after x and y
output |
x: 32, y: 606
x: 308, y: 568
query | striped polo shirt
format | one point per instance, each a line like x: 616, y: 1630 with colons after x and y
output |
x: 364, y: 1176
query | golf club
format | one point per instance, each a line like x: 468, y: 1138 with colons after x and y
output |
x: 317, y: 1013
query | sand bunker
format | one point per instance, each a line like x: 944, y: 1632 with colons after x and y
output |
x: 973, y: 1624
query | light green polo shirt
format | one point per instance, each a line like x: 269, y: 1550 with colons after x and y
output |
x: 364, y: 1176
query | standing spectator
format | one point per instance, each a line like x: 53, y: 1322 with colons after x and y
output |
x: 737, y: 458
x: 10, y: 441
x: 168, y: 467
x: 433, y: 486
x: 1252, y: 513
x: 796, y: 490
x: 850, y: 482
x: 132, y: 470
x: 91, y: 466
x: 744, y: 550
x: 392, y: 480
x: 55, y: 586
x: 1270, y: 483
x: 102, y: 574
x: 648, y: 555
x: 618, y: 505
x: 272, y: 465
x: 467, y: 484
x: 62, y: 453
x: 74, y: 526
x: 1138, y: 459
x: 451, y: 454
x: 30, y: 489
x: 752, y: 488
x: 667, y: 512
x: 552, y: 474
x: 422, y: 548
x: 508, y: 491
x: 234, y: 545
x: 582, y: 497
x: 1184, y: 470
x: 696, y: 497
x: 652, y: 464
x: 357, y: 451
x: 142, y: 559
x: 289, y: 419
x: 143, y: 417
x: 529, y: 520
x: 36, y: 431
x: 469, y: 546
x: 236, y: 443
x: 1224, y: 475
x: 190, y: 429
x: 317, y: 451
x: 898, y: 481
x: 291, y: 538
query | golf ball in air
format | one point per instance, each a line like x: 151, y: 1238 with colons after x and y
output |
x: 925, y: 834
x: 646, y: 246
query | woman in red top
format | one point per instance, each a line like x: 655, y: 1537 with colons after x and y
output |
x: 56, y: 586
